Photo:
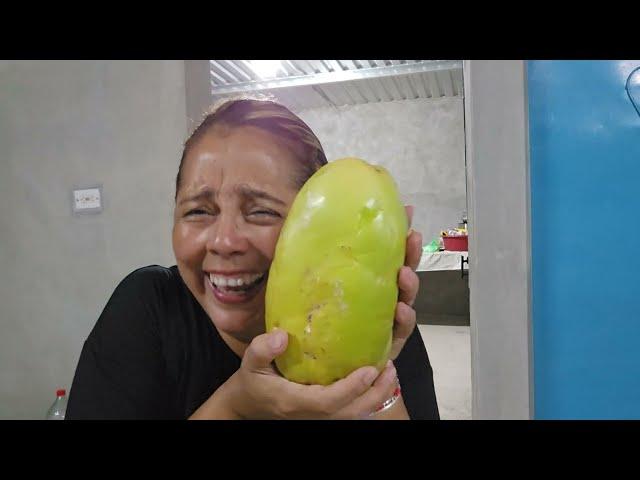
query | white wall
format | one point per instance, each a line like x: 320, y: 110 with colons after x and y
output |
x: 421, y: 143
x: 120, y: 124
x: 500, y: 239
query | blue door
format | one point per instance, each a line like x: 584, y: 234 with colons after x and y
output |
x: 584, y: 133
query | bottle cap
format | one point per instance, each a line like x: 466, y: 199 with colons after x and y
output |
x: 61, y: 392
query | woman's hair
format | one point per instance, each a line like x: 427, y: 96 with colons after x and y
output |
x: 262, y: 112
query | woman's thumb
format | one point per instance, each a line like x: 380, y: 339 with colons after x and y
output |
x: 265, y: 348
x: 277, y: 338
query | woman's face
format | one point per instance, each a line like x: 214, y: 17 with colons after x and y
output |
x: 236, y: 188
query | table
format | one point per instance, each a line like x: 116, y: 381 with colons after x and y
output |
x: 445, y: 260
x: 443, y: 297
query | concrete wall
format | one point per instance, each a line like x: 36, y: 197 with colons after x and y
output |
x: 75, y: 123
x: 121, y: 124
x: 421, y: 142
x: 499, y: 238
x: 198, y: 91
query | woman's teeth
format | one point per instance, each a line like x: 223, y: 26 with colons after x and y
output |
x: 243, y: 281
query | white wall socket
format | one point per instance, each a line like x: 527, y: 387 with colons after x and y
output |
x: 87, y: 199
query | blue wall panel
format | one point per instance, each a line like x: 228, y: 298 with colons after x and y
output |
x: 585, y: 202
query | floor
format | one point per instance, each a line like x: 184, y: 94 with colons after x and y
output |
x: 449, y: 349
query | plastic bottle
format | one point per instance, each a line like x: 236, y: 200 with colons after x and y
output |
x: 59, y: 407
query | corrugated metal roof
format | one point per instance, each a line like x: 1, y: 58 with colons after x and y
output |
x: 302, y: 84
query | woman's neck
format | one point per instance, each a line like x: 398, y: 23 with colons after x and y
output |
x: 237, y: 346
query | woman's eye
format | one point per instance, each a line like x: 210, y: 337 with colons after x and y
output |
x: 262, y: 213
x: 196, y: 212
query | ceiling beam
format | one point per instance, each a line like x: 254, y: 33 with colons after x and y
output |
x: 342, y: 76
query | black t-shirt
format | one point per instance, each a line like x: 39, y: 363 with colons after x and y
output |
x: 155, y: 354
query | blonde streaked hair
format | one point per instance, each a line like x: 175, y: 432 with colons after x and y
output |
x: 263, y: 112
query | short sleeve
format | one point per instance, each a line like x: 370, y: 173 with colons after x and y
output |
x: 121, y: 373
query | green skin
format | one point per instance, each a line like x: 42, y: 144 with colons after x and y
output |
x: 333, y: 282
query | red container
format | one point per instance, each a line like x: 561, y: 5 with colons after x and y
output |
x: 456, y: 244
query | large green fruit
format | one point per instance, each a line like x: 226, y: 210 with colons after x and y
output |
x: 333, y: 281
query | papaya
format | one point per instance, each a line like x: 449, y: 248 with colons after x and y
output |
x: 332, y: 284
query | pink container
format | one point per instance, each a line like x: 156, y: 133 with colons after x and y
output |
x: 456, y: 244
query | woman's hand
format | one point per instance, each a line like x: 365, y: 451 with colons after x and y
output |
x: 408, y: 285
x: 257, y: 391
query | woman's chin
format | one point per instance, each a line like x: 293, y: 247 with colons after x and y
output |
x: 241, y: 323
x: 237, y: 314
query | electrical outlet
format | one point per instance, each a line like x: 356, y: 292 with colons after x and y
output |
x: 87, y: 200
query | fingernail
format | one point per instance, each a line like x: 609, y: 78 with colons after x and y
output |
x: 276, y: 339
x: 370, y: 376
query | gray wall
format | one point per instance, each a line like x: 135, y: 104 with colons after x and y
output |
x: 198, y: 91
x: 421, y: 143
x: 499, y: 241
x: 66, y: 124
x: 122, y: 125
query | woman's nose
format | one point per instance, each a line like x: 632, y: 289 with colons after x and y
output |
x: 226, y: 238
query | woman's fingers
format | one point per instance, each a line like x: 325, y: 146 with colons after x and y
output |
x: 414, y: 242
x: 367, y: 403
x: 409, y: 210
x: 408, y: 285
x: 332, y: 398
x: 413, y: 250
x: 403, y: 325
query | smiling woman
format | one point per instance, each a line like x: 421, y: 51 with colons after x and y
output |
x: 189, y: 341
x: 233, y: 195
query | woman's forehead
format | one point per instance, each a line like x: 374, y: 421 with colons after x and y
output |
x: 243, y: 155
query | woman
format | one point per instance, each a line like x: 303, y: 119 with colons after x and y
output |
x: 189, y: 341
